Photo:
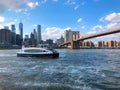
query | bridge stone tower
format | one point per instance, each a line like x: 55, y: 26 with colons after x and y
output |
x: 75, y: 44
x: 75, y: 35
x: 72, y: 36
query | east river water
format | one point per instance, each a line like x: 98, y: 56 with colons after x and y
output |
x: 84, y: 69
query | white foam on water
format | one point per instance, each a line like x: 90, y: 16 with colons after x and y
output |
x: 75, y: 73
x: 71, y: 69
x: 103, y: 75
x: 5, y: 69
x: 36, y: 66
x: 40, y: 84
x: 7, y: 55
x: 29, y: 83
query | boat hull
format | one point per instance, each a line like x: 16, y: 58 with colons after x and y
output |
x: 53, y: 55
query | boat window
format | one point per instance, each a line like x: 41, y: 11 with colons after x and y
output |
x: 34, y: 50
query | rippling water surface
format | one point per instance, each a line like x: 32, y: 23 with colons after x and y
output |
x: 85, y: 69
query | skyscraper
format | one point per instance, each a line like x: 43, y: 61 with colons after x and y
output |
x: 5, y: 37
x: 13, y: 28
x: 38, y: 34
x: 13, y: 34
x: 21, y: 30
x: 35, y: 34
x: 26, y: 36
x: 6, y: 27
x: 67, y: 35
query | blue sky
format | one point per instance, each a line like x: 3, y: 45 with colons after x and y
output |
x: 86, y: 16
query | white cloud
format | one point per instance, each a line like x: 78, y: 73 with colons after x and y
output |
x: 97, y: 27
x: 11, y: 4
x: 75, y: 3
x: 17, y: 5
x: 8, y: 24
x: 32, y: 4
x: 114, y: 22
x: 70, y: 2
x: 79, y: 20
x: 113, y: 17
x: 1, y: 26
x: 108, y: 37
x: 115, y: 36
x: 76, y: 7
x: 106, y: 27
x: 2, y: 19
x: 27, y: 14
x: 68, y: 28
x: 19, y: 10
x: 91, y: 32
x: 111, y: 25
x: 34, y: 25
x: 52, y: 33
x: 100, y: 28
x: 24, y: 11
x: 83, y: 27
x: 15, y: 20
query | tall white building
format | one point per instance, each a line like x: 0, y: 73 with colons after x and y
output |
x: 39, y: 34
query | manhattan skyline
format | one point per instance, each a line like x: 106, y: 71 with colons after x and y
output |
x: 54, y: 16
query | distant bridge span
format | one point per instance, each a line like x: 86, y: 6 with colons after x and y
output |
x: 117, y: 30
x: 99, y: 34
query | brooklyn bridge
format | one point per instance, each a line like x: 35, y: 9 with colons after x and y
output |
x: 75, y: 38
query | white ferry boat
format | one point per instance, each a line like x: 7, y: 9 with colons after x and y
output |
x: 37, y: 52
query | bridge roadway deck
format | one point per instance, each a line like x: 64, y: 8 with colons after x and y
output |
x: 117, y: 30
